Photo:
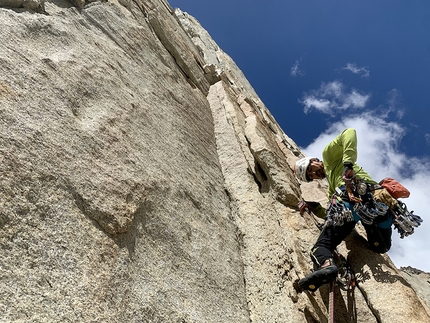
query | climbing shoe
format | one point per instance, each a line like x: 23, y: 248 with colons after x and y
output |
x: 322, y: 275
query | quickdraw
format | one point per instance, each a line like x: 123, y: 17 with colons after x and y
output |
x: 337, y: 213
x: 347, y: 279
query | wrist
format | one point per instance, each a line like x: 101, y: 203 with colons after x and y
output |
x: 348, y: 165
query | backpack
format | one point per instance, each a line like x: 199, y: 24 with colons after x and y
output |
x: 395, y: 189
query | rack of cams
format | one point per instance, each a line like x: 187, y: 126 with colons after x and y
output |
x: 369, y: 209
x: 405, y: 221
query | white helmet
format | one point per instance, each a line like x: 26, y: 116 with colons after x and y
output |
x: 301, y: 167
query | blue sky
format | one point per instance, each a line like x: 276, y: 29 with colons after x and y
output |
x: 320, y: 66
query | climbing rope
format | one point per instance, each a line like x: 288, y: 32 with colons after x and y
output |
x: 331, y: 303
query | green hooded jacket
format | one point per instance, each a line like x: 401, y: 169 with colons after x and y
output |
x: 342, y: 149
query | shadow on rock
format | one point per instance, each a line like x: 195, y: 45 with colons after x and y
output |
x: 361, y: 257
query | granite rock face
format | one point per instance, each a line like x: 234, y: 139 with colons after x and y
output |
x: 420, y: 282
x: 143, y: 180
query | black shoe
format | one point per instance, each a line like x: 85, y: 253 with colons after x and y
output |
x: 322, y: 275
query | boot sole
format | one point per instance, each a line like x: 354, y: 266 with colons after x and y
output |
x: 317, y: 278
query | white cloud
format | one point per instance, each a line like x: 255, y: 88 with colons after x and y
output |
x: 332, y: 97
x: 378, y: 154
x: 296, y: 70
x: 322, y: 105
x: 362, y: 71
x: 394, y: 104
x: 354, y: 100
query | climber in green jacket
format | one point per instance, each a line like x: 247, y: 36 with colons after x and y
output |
x: 340, y: 168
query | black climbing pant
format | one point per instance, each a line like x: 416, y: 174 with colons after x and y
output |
x: 331, y: 236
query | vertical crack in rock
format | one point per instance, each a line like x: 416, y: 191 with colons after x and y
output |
x: 369, y: 304
x: 259, y: 175
x: 261, y: 179
x: 175, y: 40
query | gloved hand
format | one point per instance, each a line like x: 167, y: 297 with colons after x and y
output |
x: 303, y: 207
x: 348, y: 172
x: 306, y: 206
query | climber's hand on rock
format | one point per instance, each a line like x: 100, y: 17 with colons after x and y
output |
x: 303, y: 207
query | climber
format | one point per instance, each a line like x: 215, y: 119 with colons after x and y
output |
x: 340, y: 168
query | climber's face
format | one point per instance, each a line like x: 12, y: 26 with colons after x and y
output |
x: 315, y: 169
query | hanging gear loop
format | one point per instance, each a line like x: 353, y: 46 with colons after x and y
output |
x: 405, y: 221
x: 337, y: 213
